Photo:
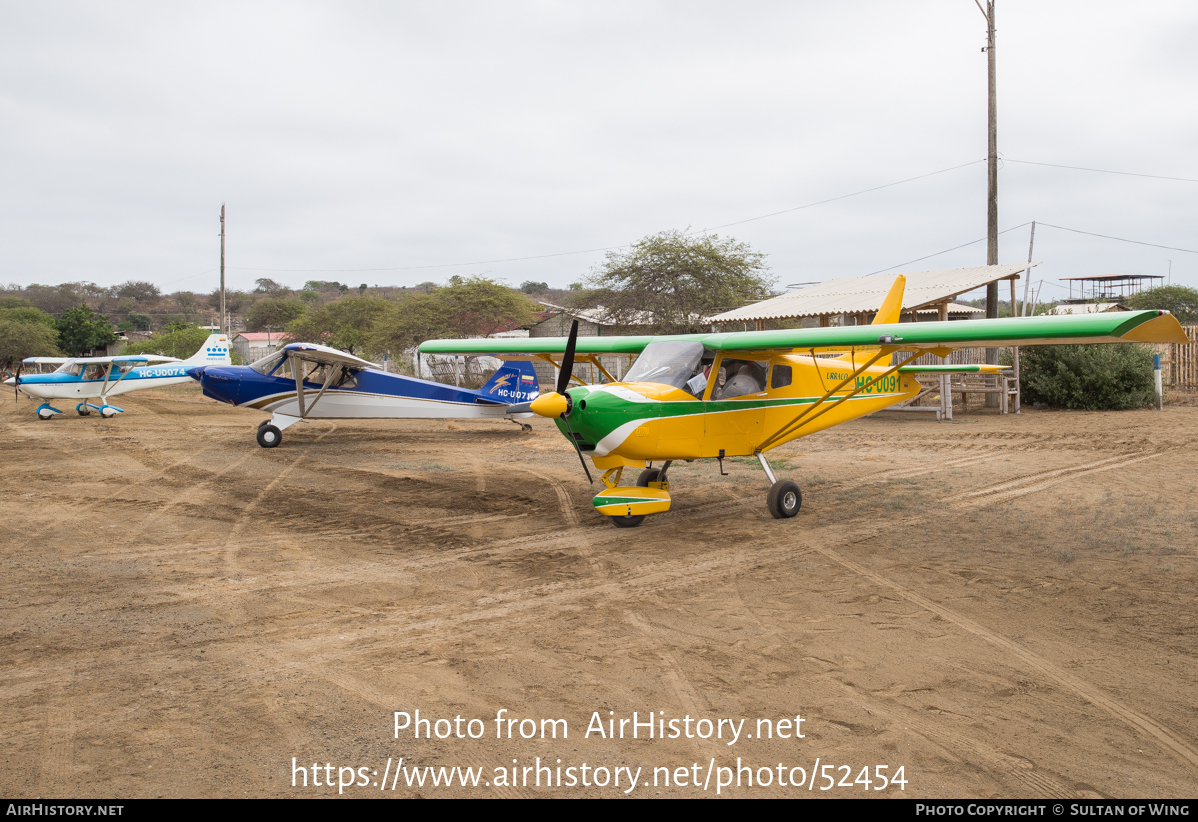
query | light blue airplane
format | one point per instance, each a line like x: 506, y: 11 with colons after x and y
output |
x: 86, y: 378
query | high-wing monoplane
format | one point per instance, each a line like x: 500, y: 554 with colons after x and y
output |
x: 739, y: 394
x: 85, y: 378
x: 305, y: 381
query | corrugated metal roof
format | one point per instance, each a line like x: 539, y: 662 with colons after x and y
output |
x: 863, y: 295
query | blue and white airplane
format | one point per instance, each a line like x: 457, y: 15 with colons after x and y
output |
x: 305, y: 381
x: 85, y: 378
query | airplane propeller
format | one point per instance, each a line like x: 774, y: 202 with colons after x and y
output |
x: 16, y: 391
x: 559, y: 404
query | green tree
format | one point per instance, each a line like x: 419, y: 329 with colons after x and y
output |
x: 54, y: 299
x: 270, y: 287
x: 529, y: 287
x: 479, y: 307
x: 139, y: 321
x: 671, y: 282
x: 1087, y: 377
x: 25, y: 332
x: 179, y: 342
x: 1178, y: 300
x: 139, y: 291
x: 275, y: 313
x: 346, y: 324
x: 411, y: 319
x: 27, y: 314
x: 81, y: 330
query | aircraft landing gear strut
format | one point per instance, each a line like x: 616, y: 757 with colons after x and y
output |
x: 784, y: 498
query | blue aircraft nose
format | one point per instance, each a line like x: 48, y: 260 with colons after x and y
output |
x: 195, y: 372
x: 219, y: 383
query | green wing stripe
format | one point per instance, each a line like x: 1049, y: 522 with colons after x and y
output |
x: 1090, y: 328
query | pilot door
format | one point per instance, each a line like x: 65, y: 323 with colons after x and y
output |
x: 735, y: 406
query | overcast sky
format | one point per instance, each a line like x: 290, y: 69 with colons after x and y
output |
x: 432, y: 139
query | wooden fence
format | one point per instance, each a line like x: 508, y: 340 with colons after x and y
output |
x: 1179, y: 362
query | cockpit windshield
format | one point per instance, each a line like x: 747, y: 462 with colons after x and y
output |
x: 673, y: 362
x: 268, y: 363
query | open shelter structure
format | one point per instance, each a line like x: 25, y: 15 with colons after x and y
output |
x: 928, y: 296
x: 855, y: 300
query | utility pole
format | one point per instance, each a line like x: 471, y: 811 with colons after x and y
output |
x: 991, y: 182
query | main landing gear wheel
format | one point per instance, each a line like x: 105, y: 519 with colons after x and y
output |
x: 84, y: 412
x: 269, y: 436
x: 627, y: 522
x: 647, y: 476
x: 784, y: 499
x: 107, y: 413
x: 45, y: 415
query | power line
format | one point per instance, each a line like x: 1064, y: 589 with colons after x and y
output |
x: 1120, y: 239
x: 614, y: 247
x: 1100, y: 170
x: 845, y: 196
x: 954, y: 248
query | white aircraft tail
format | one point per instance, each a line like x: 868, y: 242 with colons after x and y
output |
x: 214, y: 351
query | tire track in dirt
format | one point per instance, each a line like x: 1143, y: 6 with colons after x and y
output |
x: 540, y: 602
x: 58, y: 760
x: 319, y: 668
x: 1080, y: 688
x: 1035, y: 482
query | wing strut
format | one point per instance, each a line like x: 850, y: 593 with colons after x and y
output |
x: 297, y: 368
x: 803, y: 419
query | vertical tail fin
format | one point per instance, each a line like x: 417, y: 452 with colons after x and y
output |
x: 214, y: 351
x: 514, y: 382
x: 892, y: 306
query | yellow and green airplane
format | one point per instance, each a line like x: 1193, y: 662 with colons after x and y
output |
x: 720, y: 395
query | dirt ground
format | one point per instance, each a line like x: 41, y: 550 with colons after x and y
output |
x: 1000, y: 606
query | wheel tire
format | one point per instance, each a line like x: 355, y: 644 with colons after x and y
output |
x: 83, y: 412
x: 647, y: 476
x: 784, y: 499
x: 627, y: 522
x: 269, y: 436
x: 107, y: 414
x: 264, y: 422
x: 44, y: 417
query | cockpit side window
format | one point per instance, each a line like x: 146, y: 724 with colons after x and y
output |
x: 71, y: 368
x: 738, y: 378
x: 781, y: 376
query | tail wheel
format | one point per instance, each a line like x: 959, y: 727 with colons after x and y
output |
x: 784, y: 499
x: 647, y: 476
x: 627, y: 522
x: 269, y: 436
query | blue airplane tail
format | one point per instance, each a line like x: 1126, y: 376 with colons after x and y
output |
x: 514, y: 382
